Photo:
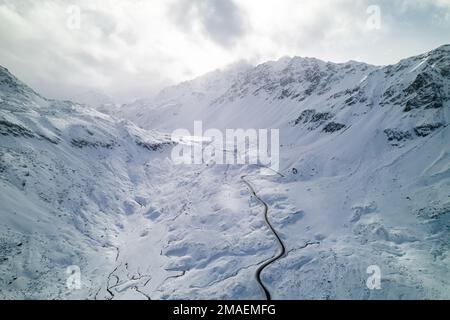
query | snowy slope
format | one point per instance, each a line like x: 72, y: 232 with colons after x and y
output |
x: 69, y: 177
x: 184, y: 102
x: 371, y: 185
x: 370, y: 146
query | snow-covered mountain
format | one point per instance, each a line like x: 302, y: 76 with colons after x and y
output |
x: 285, y: 91
x: 69, y: 177
x: 365, y: 180
x: 370, y: 146
x: 184, y: 102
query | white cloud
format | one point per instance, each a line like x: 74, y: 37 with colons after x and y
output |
x: 130, y: 48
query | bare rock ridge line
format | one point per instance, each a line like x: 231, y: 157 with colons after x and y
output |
x: 282, y: 251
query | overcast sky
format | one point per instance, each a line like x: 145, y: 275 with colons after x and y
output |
x: 131, y: 48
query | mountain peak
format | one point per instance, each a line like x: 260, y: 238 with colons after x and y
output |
x: 4, y: 73
x: 445, y: 47
x: 9, y: 84
x: 439, y: 52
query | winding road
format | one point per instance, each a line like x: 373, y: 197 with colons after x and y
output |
x: 280, y: 242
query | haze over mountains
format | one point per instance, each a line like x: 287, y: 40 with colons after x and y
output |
x: 365, y: 159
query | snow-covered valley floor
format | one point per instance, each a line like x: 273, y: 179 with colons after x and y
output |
x: 199, y: 233
x: 215, y: 238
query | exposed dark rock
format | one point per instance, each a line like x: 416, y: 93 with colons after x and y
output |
x: 51, y: 140
x: 424, y: 92
x: 434, y: 212
x: 285, y: 93
x: 81, y: 143
x: 286, y: 81
x: 421, y: 81
x: 333, y: 127
x: 314, y: 117
x: 445, y: 71
x: 11, y: 129
x: 305, y: 116
x: 153, y: 146
x: 321, y: 116
x: 427, y: 129
x: 397, y: 135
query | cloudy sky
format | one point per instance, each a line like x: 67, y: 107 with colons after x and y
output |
x: 132, y: 48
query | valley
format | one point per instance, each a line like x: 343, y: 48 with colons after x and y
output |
x: 363, y: 181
